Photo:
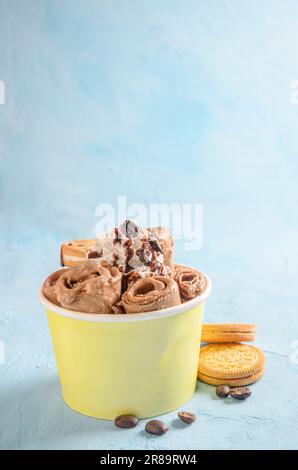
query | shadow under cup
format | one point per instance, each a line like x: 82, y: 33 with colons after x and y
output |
x: 142, y: 364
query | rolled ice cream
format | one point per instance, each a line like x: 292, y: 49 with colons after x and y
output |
x: 191, y: 282
x: 151, y: 293
x: 90, y: 287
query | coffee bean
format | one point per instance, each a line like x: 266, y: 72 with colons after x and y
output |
x: 126, y: 421
x: 222, y: 391
x: 156, y: 427
x: 187, y: 417
x: 240, y: 393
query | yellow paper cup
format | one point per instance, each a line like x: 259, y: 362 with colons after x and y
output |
x: 142, y: 364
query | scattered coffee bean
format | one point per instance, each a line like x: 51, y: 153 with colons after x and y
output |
x: 187, y: 417
x: 156, y: 427
x: 223, y: 391
x: 240, y: 393
x: 126, y: 421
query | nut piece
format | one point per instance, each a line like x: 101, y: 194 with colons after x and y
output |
x: 156, y: 427
x: 187, y: 417
x: 223, y: 391
x: 126, y: 421
x: 240, y: 393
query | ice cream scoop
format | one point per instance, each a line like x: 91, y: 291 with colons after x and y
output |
x: 131, y: 248
x: 190, y: 281
x: 49, y: 286
x: 151, y: 293
x: 90, y: 287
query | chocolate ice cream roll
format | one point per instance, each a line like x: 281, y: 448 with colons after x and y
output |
x: 190, y: 281
x: 90, y: 287
x: 151, y: 293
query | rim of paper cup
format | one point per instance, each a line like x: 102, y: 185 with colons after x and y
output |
x: 128, y: 317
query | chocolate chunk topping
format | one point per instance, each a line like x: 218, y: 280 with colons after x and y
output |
x: 94, y: 254
x: 129, y: 229
x: 140, y: 254
x: 129, y: 251
x: 155, y: 245
x: 117, y: 239
x: 61, y: 258
x: 115, y: 259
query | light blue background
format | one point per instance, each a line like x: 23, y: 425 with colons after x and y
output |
x: 161, y: 101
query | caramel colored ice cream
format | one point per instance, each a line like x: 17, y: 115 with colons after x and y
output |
x: 190, y: 282
x: 90, y: 287
x: 49, y: 286
x: 151, y: 293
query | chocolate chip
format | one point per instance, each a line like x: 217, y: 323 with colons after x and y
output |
x: 94, y: 254
x: 117, y: 239
x: 126, y: 421
x: 155, y: 245
x: 140, y: 254
x: 115, y: 259
x: 222, y: 391
x: 129, y: 253
x: 129, y: 229
x: 61, y: 258
x: 240, y: 393
x: 156, y: 427
x: 187, y: 417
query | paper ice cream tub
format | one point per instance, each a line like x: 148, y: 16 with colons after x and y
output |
x: 142, y: 364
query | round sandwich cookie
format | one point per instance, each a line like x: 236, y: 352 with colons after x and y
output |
x: 228, y: 332
x: 232, y: 382
x: 230, y: 360
x: 231, y: 327
x: 220, y: 337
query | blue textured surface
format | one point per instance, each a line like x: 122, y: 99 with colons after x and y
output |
x: 138, y: 98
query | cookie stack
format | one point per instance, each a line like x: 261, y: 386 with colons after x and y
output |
x: 227, y: 361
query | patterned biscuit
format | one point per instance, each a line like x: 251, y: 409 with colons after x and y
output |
x: 223, y: 337
x: 230, y: 327
x: 232, y: 382
x: 230, y: 360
